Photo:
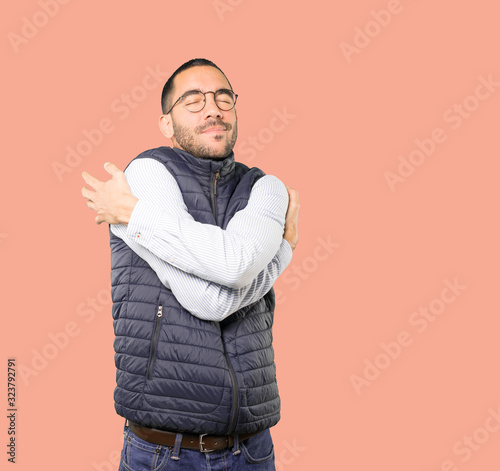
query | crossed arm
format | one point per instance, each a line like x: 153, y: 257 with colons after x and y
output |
x: 181, y: 250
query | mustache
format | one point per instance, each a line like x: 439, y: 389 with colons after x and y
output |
x: 214, y: 122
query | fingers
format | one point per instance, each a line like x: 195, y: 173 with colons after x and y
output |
x: 89, y: 194
x: 90, y: 180
x: 99, y: 218
x: 292, y: 192
x: 291, y: 234
x: 292, y: 213
x: 293, y: 201
x: 111, y: 168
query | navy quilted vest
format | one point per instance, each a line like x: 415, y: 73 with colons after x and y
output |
x: 177, y: 372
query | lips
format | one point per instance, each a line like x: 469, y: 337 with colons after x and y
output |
x: 214, y: 129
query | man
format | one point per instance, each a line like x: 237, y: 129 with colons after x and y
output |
x: 197, y: 241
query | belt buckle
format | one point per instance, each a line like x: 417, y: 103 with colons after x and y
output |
x: 202, y: 448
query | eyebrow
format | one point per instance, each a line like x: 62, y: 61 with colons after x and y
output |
x: 191, y: 92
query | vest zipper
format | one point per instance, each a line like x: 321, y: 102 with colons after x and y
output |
x: 234, y: 415
x: 213, y: 194
x: 156, y: 334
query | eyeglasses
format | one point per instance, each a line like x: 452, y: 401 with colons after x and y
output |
x: 195, y: 100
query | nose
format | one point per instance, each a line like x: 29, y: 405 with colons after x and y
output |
x: 211, y: 110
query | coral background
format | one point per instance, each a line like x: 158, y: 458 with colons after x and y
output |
x: 383, y: 114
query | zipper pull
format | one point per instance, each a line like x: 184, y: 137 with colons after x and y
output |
x: 215, y: 182
x: 160, y: 311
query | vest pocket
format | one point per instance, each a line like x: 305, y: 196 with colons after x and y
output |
x: 156, y: 337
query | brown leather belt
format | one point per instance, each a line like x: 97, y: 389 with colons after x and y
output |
x: 203, y: 442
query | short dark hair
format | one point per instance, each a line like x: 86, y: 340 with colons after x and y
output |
x: 166, y: 100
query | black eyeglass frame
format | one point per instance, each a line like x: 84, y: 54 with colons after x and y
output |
x: 190, y: 92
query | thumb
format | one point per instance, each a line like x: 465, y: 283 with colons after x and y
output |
x: 111, y: 168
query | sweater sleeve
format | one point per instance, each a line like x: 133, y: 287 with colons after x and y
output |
x: 233, y: 257
x: 205, y: 299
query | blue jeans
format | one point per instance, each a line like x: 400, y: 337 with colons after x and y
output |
x: 255, y: 454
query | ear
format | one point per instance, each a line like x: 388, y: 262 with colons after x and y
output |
x: 166, y: 126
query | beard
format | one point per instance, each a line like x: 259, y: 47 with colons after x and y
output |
x: 188, y: 140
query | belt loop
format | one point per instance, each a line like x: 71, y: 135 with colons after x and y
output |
x: 236, y: 445
x: 177, y: 447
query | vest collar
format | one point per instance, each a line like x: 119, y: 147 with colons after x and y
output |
x: 203, y: 168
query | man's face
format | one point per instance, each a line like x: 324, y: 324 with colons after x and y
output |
x: 211, y: 132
